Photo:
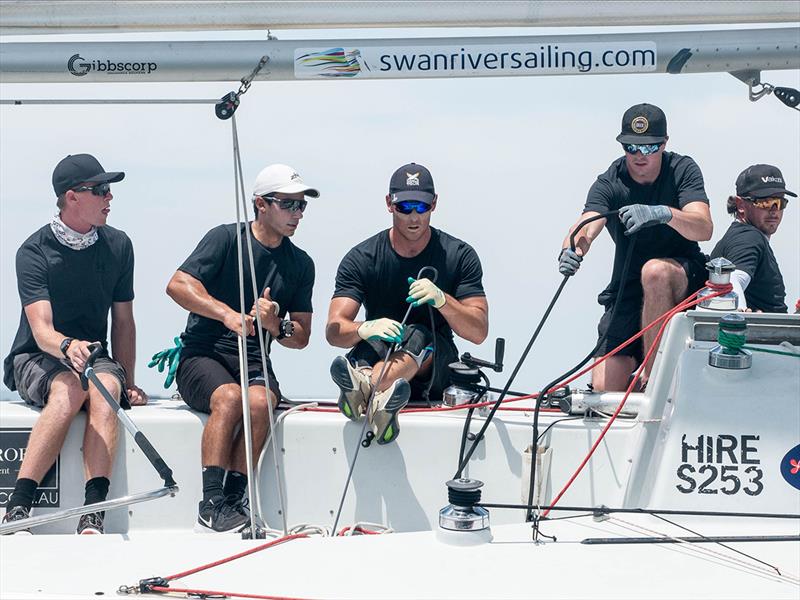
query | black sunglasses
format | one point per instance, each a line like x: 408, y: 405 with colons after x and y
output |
x: 290, y: 205
x: 99, y: 189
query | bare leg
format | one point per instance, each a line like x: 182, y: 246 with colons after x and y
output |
x: 665, y: 284
x: 613, y: 374
x: 101, y: 434
x: 226, y: 416
x: 47, y: 437
x: 259, y: 418
x: 400, y: 364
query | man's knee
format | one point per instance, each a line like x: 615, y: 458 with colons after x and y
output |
x: 65, y: 395
x: 659, y: 274
x: 226, y: 401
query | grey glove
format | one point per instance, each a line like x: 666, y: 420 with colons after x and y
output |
x: 637, y: 216
x: 568, y: 262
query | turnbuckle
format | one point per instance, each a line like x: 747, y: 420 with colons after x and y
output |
x: 145, y: 586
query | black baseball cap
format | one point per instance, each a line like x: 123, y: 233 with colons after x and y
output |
x: 77, y: 168
x: 412, y: 182
x: 761, y: 181
x: 643, y: 124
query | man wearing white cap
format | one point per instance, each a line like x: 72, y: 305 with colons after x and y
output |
x: 208, y: 376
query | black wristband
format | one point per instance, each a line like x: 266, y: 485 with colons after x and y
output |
x: 64, y: 346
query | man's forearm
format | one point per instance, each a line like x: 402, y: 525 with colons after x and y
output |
x: 343, y: 334
x: 694, y: 226
x: 468, y: 322
x: 195, y: 298
x: 123, y: 348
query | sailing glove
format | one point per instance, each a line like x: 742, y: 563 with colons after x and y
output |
x: 170, y: 357
x: 637, y: 216
x: 384, y: 329
x: 424, y: 291
x: 568, y: 262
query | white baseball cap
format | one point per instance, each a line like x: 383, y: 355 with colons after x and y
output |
x: 281, y: 178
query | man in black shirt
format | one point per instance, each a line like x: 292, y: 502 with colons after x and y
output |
x: 383, y: 274
x: 663, y: 212
x: 209, y: 375
x: 757, y: 209
x: 70, y: 273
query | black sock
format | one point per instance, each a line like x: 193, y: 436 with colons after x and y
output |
x: 96, y: 490
x: 23, y: 494
x: 235, y: 484
x: 212, y: 483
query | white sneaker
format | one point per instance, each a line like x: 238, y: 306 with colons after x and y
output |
x: 387, y: 405
x: 354, y: 385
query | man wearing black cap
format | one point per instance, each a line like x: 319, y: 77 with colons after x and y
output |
x: 663, y: 212
x: 757, y: 209
x: 70, y: 273
x: 383, y: 274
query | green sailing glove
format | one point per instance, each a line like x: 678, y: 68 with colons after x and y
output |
x: 170, y: 357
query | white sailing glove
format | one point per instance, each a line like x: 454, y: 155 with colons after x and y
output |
x: 424, y: 291
x: 384, y: 329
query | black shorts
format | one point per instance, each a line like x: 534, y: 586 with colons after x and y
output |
x: 418, y: 342
x: 626, y: 321
x: 198, y: 377
x: 34, y: 373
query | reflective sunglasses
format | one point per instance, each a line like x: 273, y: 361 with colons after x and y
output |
x: 645, y: 149
x: 408, y: 206
x: 768, y: 203
x: 290, y: 205
x: 99, y: 189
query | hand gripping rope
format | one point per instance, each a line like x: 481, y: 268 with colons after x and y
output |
x: 365, y: 436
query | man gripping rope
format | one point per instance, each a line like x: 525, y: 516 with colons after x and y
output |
x: 70, y: 273
x: 380, y: 273
x: 663, y: 211
x: 208, y: 376
x: 757, y: 209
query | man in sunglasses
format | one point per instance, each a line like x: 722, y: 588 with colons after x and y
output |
x: 208, y: 375
x: 383, y: 273
x: 663, y: 213
x: 757, y: 209
x: 70, y: 274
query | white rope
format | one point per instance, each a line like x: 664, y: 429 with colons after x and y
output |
x: 253, y: 483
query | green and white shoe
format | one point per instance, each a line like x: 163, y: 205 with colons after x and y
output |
x: 387, y: 405
x: 354, y: 385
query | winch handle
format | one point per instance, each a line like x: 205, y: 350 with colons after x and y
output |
x: 497, y: 365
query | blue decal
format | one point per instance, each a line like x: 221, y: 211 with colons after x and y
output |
x: 790, y: 467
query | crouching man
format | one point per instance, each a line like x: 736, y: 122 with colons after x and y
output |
x: 70, y: 273
x: 208, y: 376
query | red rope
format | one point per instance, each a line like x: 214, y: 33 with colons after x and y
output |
x: 359, y: 529
x: 692, y: 300
x: 202, y: 593
x: 222, y: 561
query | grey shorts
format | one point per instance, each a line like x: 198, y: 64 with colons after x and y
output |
x: 34, y: 373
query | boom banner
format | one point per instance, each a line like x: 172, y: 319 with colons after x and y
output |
x: 682, y: 52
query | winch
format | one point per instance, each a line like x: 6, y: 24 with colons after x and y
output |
x: 466, y: 376
x: 719, y: 274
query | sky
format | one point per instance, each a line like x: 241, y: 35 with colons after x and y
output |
x: 512, y: 160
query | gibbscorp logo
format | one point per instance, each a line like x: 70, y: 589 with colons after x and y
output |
x: 79, y: 66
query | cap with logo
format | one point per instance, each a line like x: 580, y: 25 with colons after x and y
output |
x: 283, y: 179
x: 761, y: 181
x: 643, y: 124
x: 412, y: 182
x: 75, y: 169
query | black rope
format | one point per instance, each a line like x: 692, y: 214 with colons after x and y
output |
x: 543, y: 394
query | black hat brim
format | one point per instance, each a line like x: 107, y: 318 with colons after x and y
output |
x: 112, y: 177
x: 770, y: 192
x: 407, y: 195
x: 627, y: 138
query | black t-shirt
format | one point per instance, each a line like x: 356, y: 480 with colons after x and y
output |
x: 376, y: 276
x: 679, y: 183
x: 80, y: 285
x: 749, y: 249
x: 286, y: 270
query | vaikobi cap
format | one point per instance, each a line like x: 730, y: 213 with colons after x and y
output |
x: 75, y: 169
x: 761, y: 181
x: 643, y: 124
x: 412, y: 182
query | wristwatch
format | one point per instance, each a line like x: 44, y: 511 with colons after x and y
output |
x: 286, y: 329
x: 65, y: 345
